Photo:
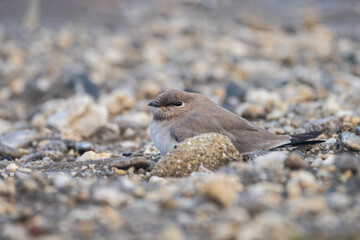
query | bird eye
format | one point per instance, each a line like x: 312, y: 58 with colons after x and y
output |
x: 178, y: 104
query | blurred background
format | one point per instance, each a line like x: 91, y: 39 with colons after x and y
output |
x: 269, y: 61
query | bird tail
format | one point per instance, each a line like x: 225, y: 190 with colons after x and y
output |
x: 303, y: 139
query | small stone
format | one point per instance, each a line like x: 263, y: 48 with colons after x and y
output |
x: 251, y: 111
x: 19, y: 138
x: 317, y: 163
x: 156, y: 179
x: 305, y: 180
x: 328, y: 161
x: 325, y: 125
x: 268, y: 225
x: 357, y: 130
x: 89, y: 155
x: 272, y: 160
x: 139, y: 192
x: 64, y: 39
x: 51, y: 155
x: 293, y: 189
x: 110, y: 195
x: 112, y: 217
x: 81, y: 117
x: 338, y: 201
x: 12, y: 167
x: 55, y: 145
x: 151, y: 149
x: 149, y: 90
x: 117, y: 101
x: 263, y: 97
x: 222, y: 189
x: 60, y: 180
x: 307, y: 206
x: 8, y: 152
x: 30, y: 185
x: 5, y: 126
x: 24, y: 170
x: 212, y: 150
x: 347, y: 162
x: 295, y: 162
x: 82, y: 147
x: 133, y: 120
x: 172, y: 232
x: 129, y: 133
x: 14, y: 232
x: 350, y: 140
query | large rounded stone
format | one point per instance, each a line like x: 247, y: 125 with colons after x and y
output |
x: 210, y: 150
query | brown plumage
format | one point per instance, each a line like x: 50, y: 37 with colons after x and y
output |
x: 178, y: 115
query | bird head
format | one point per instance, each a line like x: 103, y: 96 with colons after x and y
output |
x: 173, y: 103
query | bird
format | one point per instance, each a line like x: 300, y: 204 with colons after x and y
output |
x: 178, y: 115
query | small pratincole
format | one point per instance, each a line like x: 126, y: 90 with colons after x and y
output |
x: 178, y: 115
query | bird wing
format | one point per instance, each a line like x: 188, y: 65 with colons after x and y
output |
x: 245, y: 136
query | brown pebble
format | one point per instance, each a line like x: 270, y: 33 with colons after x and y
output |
x: 295, y: 162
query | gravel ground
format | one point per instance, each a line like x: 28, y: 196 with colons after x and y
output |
x: 76, y: 157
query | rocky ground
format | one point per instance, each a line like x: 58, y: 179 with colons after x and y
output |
x: 77, y: 161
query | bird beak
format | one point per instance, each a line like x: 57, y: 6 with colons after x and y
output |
x: 153, y: 104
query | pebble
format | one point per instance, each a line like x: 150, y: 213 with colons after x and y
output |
x: 8, y: 151
x: 30, y: 185
x: 52, y: 155
x: 89, y: 155
x: 317, y: 163
x: 65, y: 39
x: 328, y: 161
x: 156, y: 179
x: 14, y: 232
x: 357, y: 130
x: 60, y: 180
x: 251, y: 111
x: 328, y: 125
x: 5, y: 126
x: 151, y: 149
x: 19, y: 138
x: 149, y: 90
x: 111, y: 196
x: 222, y: 189
x: 350, y: 140
x: 272, y: 160
x: 305, y: 180
x: 12, y: 167
x: 117, y: 102
x: 310, y: 206
x: 134, y: 120
x: 347, y: 162
x: 55, y: 145
x: 268, y: 225
x: 263, y: 98
x: 212, y: 150
x: 338, y: 201
x: 171, y: 232
x: 82, y: 117
x: 295, y: 162
x: 82, y: 147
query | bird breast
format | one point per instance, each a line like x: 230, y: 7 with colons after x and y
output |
x: 160, y: 135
